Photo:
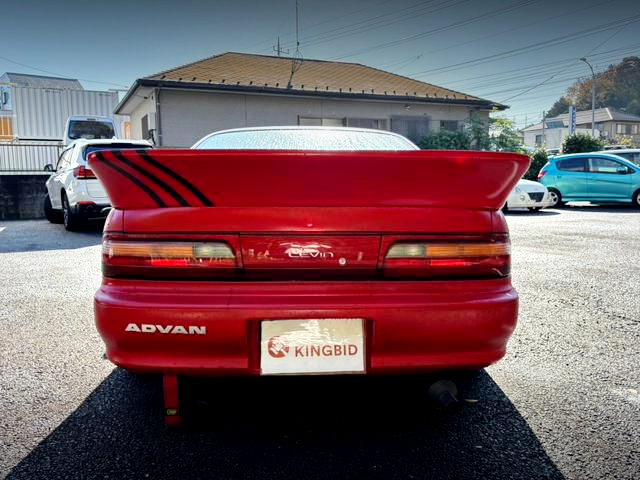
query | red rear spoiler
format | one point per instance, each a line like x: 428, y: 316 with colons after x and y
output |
x: 143, y: 179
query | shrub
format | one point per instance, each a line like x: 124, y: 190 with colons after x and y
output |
x: 581, y: 142
x: 538, y: 159
x: 445, y: 140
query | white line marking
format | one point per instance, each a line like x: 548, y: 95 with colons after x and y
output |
x: 1, y: 229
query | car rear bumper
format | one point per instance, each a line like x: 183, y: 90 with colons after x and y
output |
x: 409, y: 327
x: 90, y: 210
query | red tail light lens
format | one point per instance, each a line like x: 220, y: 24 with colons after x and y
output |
x: 468, y: 258
x: 83, y: 172
x: 541, y: 174
x: 167, y: 259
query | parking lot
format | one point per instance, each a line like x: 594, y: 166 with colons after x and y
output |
x: 563, y: 403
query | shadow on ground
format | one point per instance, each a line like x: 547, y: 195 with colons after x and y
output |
x: 289, y: 427
x: 40, y: 235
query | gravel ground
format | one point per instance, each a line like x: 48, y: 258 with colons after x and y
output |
x: 563, y: 403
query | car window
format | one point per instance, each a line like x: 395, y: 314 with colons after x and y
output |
x: 572, y: 164
x: 272, y: 139
x: 631, y: 156
x: 604, y: 165
x: 64, y: 159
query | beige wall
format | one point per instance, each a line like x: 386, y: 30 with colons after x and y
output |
x: 186, y: 116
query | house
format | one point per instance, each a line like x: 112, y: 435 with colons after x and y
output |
x: 610, y: 125
x: 179, y: 106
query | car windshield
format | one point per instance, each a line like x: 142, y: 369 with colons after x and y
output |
x: 90, y: 129
x: 305, y: 139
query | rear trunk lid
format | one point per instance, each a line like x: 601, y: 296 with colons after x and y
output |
x: 308, y: 215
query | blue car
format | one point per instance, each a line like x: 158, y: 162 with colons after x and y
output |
x: 594, y: 177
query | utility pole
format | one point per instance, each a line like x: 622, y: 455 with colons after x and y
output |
x: 593, y: 99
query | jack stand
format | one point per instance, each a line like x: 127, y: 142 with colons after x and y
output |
x: 171, y: 404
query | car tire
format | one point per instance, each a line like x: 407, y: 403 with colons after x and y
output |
x: 636, y: 198
x: 50, y: 214
x: 556, y: 198
x: 505, y: 208
x: 70, y: 219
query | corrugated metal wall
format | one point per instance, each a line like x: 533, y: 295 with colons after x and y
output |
x: 41, y: 113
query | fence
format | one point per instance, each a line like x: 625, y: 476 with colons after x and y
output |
x: 28, y: 157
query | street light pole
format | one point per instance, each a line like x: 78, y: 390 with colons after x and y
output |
x: 593, y: 98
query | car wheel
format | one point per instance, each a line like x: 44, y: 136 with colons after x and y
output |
x: 50, y: 214
x: 556, y: 198
x: 636, y: 198
x: 70, y: 219
x: 534, y: 209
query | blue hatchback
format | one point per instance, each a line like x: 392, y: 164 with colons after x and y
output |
x: 594, y: 177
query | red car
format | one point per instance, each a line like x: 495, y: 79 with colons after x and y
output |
x: 296, y: 251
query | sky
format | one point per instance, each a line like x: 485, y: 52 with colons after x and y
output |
x: 522, y: 53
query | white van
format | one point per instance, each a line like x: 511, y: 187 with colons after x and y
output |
x: 90, y: 127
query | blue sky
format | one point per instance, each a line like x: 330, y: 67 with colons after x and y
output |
x: 523, y: 53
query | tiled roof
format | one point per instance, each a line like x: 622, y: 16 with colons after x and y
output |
x: 245, y: 70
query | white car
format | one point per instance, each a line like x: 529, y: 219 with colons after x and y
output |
x: 528, y: 194
x: 74, y: 194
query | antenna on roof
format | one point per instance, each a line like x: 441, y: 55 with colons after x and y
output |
x: 296, y: 61
x: 280, y: 50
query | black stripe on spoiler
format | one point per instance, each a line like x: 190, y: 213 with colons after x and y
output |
x: 135, y: 180
x: 184, y: 182
x: 178, y: 198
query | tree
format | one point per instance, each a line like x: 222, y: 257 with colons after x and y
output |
x: 496, y: 134
x: 618, y: 87
x: 581, y: 142
x: 503, y: 136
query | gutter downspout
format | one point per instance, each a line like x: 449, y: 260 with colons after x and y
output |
x: 158, y: 117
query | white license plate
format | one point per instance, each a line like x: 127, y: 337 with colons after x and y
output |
x: 310, y: 346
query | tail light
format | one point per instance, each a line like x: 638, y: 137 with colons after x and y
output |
x: 140, y: 258
x: 83, y: 172
x: 451, y: 258
x: 541, y: 174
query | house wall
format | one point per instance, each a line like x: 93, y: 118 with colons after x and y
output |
x: 186, y: 116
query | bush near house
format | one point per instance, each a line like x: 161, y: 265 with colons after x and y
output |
x: 538, y: 159
x: 581, y: 142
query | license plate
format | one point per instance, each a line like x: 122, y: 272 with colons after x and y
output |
x: 312, y: 346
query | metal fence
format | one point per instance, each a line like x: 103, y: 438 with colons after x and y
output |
x: 28, y: 157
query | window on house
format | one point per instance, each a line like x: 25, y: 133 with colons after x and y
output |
x: 626, y: 129
x: 145, y: 127
x: 414, y: 128
x: 321, y: 121
x: 375, y: 123
x: 451, y: 125
x: 539, y: 140
x: 6, y: 128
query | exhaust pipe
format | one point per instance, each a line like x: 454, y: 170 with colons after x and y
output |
x: 445, y: 394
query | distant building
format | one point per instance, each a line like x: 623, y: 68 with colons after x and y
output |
x: 610, y: 125
x: 179, y: 106
x: 35, y: 108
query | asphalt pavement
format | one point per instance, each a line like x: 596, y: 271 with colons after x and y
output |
x: 563, y: 403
